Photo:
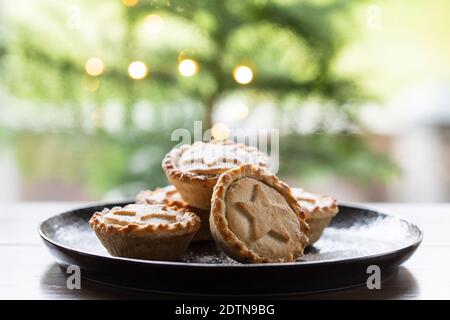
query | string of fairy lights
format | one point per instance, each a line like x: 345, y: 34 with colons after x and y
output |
x: 138, y: 70
x: 187, y: 67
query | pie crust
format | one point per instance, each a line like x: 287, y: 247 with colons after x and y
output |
x: 144, y: 231
x: 255, y: 218
x: 319, y: 209
x: 170, y: 196
x: 166, y: 195
x: 194, y: 169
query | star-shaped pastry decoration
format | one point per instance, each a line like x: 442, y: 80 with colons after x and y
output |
x: 265, y: 216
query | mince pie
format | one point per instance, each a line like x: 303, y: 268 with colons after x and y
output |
x: 145, y: 231
x: 319, y: 211
x: 194, y: 169
x: 255, y: 218
x: 170, y: 196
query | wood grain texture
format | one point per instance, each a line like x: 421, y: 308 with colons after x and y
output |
x: 27, y: 270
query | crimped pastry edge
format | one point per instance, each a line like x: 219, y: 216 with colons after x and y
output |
x: 318, y: 211
x: 143, y: 197
x: 169, y: 163
x: 229, y: 242
x: 203, y: 234
x: 161, y: 230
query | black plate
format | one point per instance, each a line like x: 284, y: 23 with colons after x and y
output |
x: 357, y: 238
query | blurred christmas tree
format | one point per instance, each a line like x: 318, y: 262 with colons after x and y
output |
x: 157, y: 65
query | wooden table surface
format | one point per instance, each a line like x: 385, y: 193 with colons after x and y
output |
x: 28, y: 271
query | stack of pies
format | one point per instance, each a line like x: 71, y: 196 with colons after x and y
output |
x: 222, y: 192
x: 194, y: 169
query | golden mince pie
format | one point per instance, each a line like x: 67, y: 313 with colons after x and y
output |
x: 143, y: 231
x: 171, y: 197
x: 319, y: 211
x: 166, y: 195
x: 194, y: 169
x: 255, y: 218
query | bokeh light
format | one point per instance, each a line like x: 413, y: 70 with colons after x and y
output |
x: 242, y: 74
x: 94, y: 66
x: 153, y: 24
x: 90, y: 83
x: 220, y: 131
x: 239, y: 111
x: 130, y: 3
x: 97, y: 118
x: 188, y: 67
x: 137, y: 70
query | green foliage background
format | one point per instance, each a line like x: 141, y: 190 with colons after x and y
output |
x: 291, y: 46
